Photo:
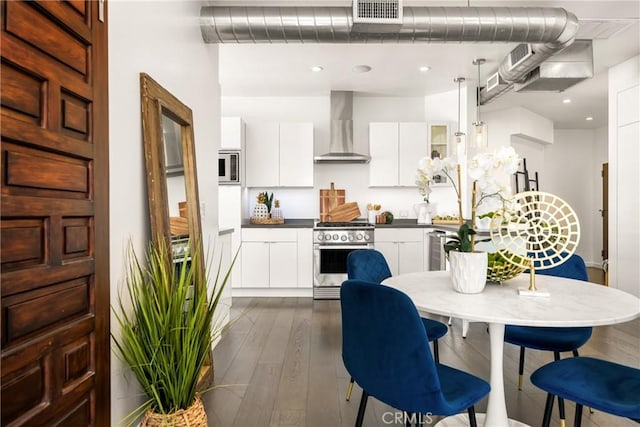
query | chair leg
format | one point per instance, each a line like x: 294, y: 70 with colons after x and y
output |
x: 548, y: 408
x: 450, y: 320
x: 436, y: 355
x: 577, y: 422
x: 472, y: 416
x: 350, y: 389
x: 521, y: 368
x: 556, y: 356
x: 361, y: 409
x: 465, y: 328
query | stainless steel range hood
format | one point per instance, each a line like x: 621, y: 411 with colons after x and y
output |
x: 341, y: 142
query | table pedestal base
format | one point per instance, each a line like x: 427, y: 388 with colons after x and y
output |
x: 462, y: 420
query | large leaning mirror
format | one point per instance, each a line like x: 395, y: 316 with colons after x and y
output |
x: 172, y: 187
x: 167, y: 126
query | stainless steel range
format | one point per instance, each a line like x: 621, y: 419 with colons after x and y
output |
x: 332, y: 243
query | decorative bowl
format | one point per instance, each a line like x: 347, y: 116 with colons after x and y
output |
x: 499, y: 269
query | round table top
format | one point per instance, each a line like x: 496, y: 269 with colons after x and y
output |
x: 570, y: 303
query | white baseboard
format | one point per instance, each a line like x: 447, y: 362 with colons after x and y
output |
x: 272, y: 292
x: 593, y: 264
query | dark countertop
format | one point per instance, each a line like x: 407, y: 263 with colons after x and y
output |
x: 412, y: 223
x: 397, y: 223
x: 288, y: 223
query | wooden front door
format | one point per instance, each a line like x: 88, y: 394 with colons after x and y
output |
x: 54, y: 217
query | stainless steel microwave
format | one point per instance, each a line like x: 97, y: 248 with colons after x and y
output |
x: 229, y: 166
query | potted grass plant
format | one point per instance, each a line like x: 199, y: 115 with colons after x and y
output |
x: 166, y: 317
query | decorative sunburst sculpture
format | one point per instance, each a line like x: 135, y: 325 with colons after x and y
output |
x: 541, y: 232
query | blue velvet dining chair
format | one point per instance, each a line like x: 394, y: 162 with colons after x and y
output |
x: 606, y: 386
x: 386, y: 350
x: 552, y: 339
x: 371, y: 266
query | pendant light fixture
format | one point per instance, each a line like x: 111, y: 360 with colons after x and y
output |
x: 459, y: 136
x: 480, y: 134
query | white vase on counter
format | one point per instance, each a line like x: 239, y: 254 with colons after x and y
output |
x: 468, y: 271
x: 371, y: 216
x: 424, y: 212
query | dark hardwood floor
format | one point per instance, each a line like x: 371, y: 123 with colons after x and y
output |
x: 279, y: 364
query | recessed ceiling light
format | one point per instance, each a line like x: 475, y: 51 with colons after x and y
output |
x: 317, y: 68
x: 566, y: 101
x: 424, y: 68
x: 588, y: 118
x: 361, y: 69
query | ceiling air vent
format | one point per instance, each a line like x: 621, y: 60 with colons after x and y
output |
x: 377, y: 16
x: 495, y: 87
x: 377, y: 11
x: 519, y: 54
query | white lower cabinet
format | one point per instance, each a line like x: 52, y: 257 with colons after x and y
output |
x: 305, y: 258
x: 403, y: 248
x: 255, y: 264
x: 276, y: 258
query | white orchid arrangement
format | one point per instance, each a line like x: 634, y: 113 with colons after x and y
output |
x: 427, y: 169
x: 491, y: 174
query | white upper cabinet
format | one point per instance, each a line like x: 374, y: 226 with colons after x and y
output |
x: 383, y: 148
x: 395, y: 150
x: 279, y: 155
x: 413, y: 145
x: 439, y: 136
x: 262, y: 155
x: 232, y: 133
x: 296, y: 154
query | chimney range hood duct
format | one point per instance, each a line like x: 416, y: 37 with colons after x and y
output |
x: 548, y: 30
x: 341, y: 142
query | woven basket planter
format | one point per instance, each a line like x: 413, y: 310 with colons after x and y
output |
x: 193, y: 416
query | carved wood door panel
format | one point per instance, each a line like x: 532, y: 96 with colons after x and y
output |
x: 54, y: 227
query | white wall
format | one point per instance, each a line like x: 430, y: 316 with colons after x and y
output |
x: 624, y: 176
x: 163, y: 40
x: 304, y: 202
x: 570, y: 173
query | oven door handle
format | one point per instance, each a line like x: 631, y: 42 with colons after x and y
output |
x: 350, y: 247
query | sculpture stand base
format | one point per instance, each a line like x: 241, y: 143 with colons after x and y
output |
x: 525, y: 292
x: 462, y: 420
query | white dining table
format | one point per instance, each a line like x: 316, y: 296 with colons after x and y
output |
x: 570, y: 303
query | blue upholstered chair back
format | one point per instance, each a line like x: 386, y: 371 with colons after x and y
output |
x: 368, y: 265
x: 573, y: 268
x: 385, y: 347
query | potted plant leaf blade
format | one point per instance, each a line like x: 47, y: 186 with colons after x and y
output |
x: 166, y: 317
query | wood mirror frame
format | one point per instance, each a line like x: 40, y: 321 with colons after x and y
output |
x: 156, y: 103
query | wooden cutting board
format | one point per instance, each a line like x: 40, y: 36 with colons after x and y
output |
x: 344, y: 212
x: 330, y: 199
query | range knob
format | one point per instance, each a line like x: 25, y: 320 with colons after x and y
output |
x: 320, y: 236
x: 351, y: 237
x: 335, y: 236
x: 366, y: 235
x: 343, y: 238
x: 359, y: 236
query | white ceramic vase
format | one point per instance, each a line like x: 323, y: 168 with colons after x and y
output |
x: 468, y: 271
x: 424, y: 212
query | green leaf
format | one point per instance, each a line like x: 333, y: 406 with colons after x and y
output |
x: 165, y: 319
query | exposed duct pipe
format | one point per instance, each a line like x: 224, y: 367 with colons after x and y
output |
x: 548, y: 30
